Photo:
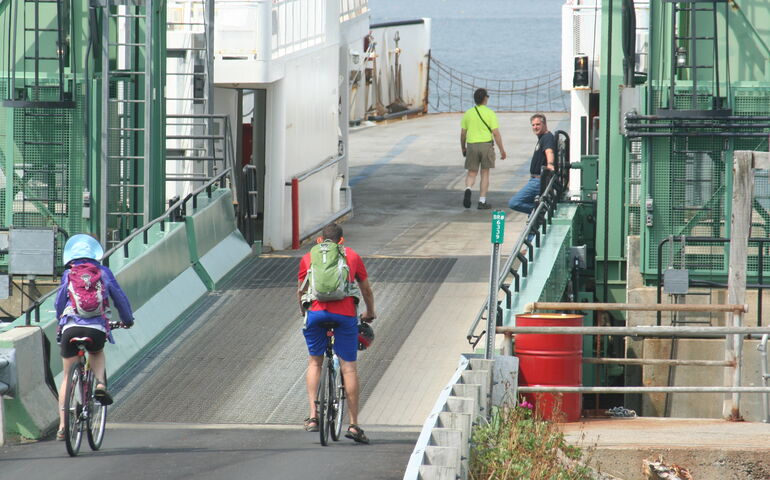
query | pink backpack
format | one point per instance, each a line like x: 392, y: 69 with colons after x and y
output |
x: 86, y: 290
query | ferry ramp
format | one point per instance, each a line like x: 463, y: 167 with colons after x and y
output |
x: 223, y: 396
x: 239, y: 357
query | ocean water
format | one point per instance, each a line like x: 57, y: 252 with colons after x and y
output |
x: 493, y: 39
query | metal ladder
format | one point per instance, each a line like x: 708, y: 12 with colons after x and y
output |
x: 126, y: 119
x: 686, y: 42
x: 198, y: 143
x: 46, y: 55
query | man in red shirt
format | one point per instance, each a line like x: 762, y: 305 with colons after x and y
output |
x: 344, y: 313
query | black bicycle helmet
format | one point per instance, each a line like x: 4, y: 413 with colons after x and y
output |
x: 365, y: 336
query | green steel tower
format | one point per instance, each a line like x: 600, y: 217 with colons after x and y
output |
x: 81, y: 115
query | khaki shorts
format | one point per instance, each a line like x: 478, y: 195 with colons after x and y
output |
x: 480, y: 154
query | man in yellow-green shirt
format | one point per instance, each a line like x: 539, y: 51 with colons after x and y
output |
x: 478, y: 136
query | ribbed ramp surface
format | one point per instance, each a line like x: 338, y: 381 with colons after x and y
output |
x: 240, y: 356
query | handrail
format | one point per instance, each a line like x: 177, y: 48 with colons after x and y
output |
x: 172, y: 210
x: 331, y: 160
x: 248, y: 209
x: 294, y: 184
x: 542, y: 214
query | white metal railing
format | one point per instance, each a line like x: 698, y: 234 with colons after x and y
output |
x: 267, y: 30
x: 350, y: 9
x: 296, y: 25
x: 185, y: 16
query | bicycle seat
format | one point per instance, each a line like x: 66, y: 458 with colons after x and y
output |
x: 328, y: 324
x: 78, y: 340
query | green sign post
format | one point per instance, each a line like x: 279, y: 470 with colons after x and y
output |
x: 498, y: 226
x: 498, y: 233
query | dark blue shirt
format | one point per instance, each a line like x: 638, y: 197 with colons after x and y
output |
x: 544, y: 142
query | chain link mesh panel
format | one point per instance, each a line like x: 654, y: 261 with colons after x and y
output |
x: 690, y: 191
x: 47, y: 148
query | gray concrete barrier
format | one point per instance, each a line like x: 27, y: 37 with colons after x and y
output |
x: 163, y: 277
x: 443, y: 448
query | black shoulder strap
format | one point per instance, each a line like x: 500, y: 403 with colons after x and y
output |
x: 482, y: 119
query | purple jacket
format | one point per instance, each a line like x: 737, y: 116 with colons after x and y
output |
x: 113, y: 291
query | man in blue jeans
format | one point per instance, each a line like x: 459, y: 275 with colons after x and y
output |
x: 543, y: 156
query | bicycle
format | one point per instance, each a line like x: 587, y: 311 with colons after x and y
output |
x: 82, y: 410
x: 330, y: 398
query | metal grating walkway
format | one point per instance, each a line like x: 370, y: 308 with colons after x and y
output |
x: 239, y: 356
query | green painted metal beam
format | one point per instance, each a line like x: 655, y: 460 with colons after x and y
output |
x: 611, y: 220
x: 550, y: 270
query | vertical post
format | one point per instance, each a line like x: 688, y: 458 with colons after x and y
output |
x: 498, y: 233
x: 294, y: 213
x: 740, y: 224
x: 265, y: 15
x: 149, y: 106
x: 103, y: 202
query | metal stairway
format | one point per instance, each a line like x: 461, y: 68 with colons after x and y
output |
x: 198, y: 143
x: 126, y: 118
x: 44, y: 50
x: 688, y: 59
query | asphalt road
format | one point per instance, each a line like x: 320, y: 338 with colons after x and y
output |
x: 213, y: 452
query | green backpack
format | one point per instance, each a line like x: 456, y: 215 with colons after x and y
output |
x: 329, y: 274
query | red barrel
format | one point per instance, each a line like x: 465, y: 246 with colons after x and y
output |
x: 551, y: 360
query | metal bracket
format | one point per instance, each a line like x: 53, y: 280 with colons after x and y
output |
x: 578, y: 254
x: 648, y: 206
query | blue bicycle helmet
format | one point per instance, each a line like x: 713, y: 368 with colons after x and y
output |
x: 81, y: 246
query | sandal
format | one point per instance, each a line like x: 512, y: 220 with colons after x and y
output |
x: 60, y: 434
x: 311, y: 424
x: 357, y: 434
x: 102, y: 395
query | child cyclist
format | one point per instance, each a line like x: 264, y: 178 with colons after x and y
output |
x: 83, y: 311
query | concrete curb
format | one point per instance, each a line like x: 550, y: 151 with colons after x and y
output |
x: 443, y: 448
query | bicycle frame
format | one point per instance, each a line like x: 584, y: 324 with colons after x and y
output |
x: 83, y: 413
x: 330, y: 400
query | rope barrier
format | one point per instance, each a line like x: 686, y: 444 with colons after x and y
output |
x: 452, y: 91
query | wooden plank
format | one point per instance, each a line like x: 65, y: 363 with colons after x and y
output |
x: 740, y: 225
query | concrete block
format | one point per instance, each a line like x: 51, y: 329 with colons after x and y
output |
x: 442, y: 456
x: 445, y: 437
x: 461, y: 422
x: 33, y: 410
x: 471, y: 391
x: 434, y: 472
x: 505, y: 380
x: 481, y: 364
x: 461, y: 405
x: 699, y: 405
x: 483, y: 378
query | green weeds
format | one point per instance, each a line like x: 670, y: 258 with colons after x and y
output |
x: 515, y: 445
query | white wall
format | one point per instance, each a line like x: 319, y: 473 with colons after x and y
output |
x: 304, y: 84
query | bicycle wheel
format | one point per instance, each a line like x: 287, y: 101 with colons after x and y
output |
x: 73, y: 409
x: 339, y: 405
x: 97, y: 417
x: 323, y: 404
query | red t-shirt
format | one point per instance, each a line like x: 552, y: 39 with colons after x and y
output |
x: 347, y: 305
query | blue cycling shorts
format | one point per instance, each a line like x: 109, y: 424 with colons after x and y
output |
x: 345, y: 334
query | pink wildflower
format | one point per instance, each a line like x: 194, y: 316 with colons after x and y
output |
x: 526, y: 404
